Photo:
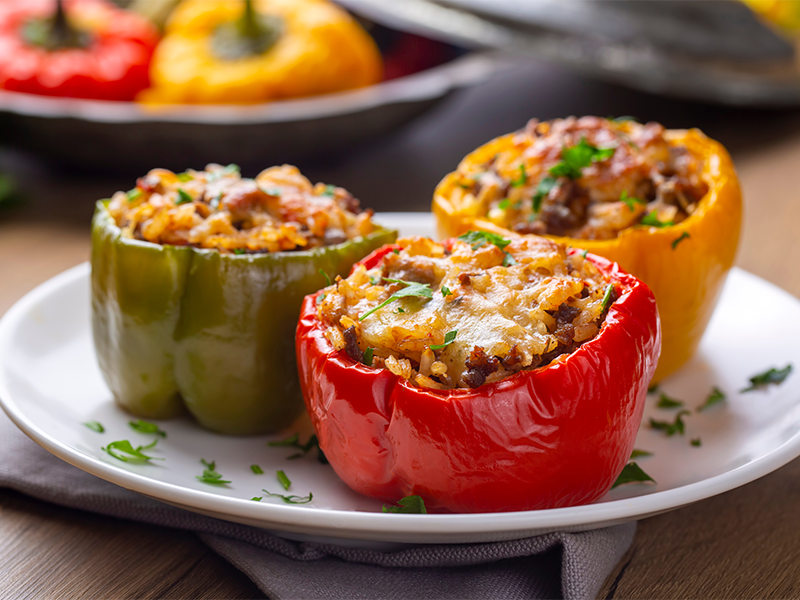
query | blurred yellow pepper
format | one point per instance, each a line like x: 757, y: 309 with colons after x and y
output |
x: 250, y: 51
x: 686, y: 278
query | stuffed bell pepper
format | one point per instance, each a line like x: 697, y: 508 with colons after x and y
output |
x: 248, y: 51
x: 664, y: 204
x: 197, y: 281
x: 482, y: 374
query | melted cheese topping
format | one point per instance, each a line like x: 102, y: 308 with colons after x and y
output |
x: 514, y: 305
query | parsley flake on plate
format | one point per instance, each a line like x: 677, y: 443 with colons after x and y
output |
x: 671, y: 429
x: 410, y: 505
x: 696, y: 442
x: 210, y: 474
x: 632, y: 473
x: 256, y: 469
x: 290, y: 499
x: 293, y: 441
x: 123, y: 450
x: 412, y: 289
x: 640, y: 453
x: 771, y: 376
x: 284, y: 480
x: 95, y: 426
x: 715, y: 397
x: 147, y: 427
x: 665, y: 401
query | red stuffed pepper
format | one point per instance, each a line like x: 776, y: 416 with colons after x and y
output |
x: 75, y: 48
x: 484, y: 374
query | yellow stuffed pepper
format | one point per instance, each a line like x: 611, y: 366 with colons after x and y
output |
x: 665, y: 204
x: 250, y: 51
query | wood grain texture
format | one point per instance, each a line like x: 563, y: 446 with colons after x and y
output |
x: 741, y: 544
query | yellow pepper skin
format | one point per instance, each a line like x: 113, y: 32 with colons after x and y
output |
x: 686, y: 276
x: 320, y: 49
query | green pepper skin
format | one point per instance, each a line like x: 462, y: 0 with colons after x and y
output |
x: 179, y: 328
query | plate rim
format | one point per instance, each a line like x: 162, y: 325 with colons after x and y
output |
x: 365, y: 525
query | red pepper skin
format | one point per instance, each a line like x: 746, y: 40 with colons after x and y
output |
x: 114, y: 66
x: 551, y: 437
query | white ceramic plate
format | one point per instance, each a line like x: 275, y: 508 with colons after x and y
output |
x: 50, y: 384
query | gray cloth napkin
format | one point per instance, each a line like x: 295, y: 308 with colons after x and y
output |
x: 568, y: 565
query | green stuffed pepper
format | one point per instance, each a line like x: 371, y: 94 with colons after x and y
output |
x: 197, y: 282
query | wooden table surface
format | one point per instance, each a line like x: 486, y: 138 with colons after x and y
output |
x: 741, y: 544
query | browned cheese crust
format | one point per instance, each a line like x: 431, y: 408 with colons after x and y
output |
x: 481, y: 312
x: 646, y: 180
x: 279, y: 210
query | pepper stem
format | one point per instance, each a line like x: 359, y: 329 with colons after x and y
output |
x: 55, y: 32
x: 251, y: 34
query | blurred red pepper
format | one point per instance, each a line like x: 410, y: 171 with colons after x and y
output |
x: 75, y: 48
x: 555, y: 436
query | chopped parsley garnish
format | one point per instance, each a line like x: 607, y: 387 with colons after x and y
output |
x: 412, y: 289
x: 581, y: 155
x: 630, y: 201
x: 293, y: 441
x: 446, y: 291
x: 652, y: 389
x: 330, y: 190
x: 238, y: 251
x: 320, y: 299
x: 640, y: 453
x: 400, y: 310
x: 257, y: 498
x: 584, y: 253
x: 284, y: 480
x: 95, y: 426
x: 327, y: 277
x: 291, y: 499
x: 652, y: 220
x: 479, y: 238
x: 632, y: 473
x: 183, y: 197
x: 505, y: 204
x: 449, y: 338
x: 210, y: 474
x: 147, y: 427
x: 671, y: 428
x: 374, y: 280
x: 410, y: 505
x: 134, y: 194
x: 685, y: 235
x: 607, y: 298
x: 521, y: 179
x: 256, y: 469
x: 665, y: 401
x: 696, y: 442
x: 772, y: 376
x: 231, y: 169
x: 396, y: 250
x: 214, y: 202
x: 274, y: 192
x: 715, y: 397
x: 123, y: 450
x: 542, y: 190
x: 183, y: 177
x: 369, y: 353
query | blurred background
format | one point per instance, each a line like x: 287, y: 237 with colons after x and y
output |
x: 94, y: 93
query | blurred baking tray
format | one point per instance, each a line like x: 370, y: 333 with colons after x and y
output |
x: 125, y: 136
x: 712, y: 50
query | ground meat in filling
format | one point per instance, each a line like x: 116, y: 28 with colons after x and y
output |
x: 585, y: 178
x: 280, y: 210
x: 469, y: 313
